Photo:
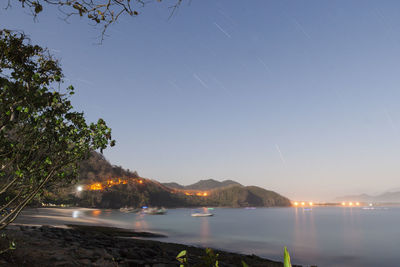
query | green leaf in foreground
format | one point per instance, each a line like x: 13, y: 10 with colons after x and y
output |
x: 182, y: 258
x: 286, y: 258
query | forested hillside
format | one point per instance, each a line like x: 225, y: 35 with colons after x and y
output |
x: 102, y: 185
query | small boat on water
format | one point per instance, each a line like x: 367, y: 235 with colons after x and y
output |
x: 154, y: 211
x: 128, y: 209
x: 199, y: 214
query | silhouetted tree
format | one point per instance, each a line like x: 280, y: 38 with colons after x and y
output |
x: 41, y: 138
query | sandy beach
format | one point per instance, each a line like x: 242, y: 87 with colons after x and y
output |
x: 59, y: 217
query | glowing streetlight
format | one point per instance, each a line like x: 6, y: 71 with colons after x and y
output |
x: 79, y: 188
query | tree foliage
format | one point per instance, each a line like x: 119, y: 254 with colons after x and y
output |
x: 41, y: 138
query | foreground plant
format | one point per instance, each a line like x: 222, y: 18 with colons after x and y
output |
x: 41, y: 138
x: 211, y: 259
x: 182, y: 258
x: 208, y: 260
x: 286, y: 258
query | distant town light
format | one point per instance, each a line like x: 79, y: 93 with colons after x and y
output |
x: 350, y: 203
x: 296, y: 203
x: 303, y: 203
x: 75, y: 214
x: 358, y: 204
x: 310, y: 203
x: 343, y: 203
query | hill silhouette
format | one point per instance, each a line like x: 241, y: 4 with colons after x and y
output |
x: 209, y: 184
x: 107, y: 186
x: 387, y: 197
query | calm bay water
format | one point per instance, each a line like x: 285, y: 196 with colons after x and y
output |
x: 325, y: 236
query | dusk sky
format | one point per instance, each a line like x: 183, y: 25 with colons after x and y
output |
x: 299, y: 97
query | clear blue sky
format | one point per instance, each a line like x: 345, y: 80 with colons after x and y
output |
x: 301, y: 97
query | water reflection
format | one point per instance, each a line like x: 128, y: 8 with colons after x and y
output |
x: 205, y: 231
x: 96, y: 213
x: 351, y: 230
x: 141, y: 223
x: 304, y: 229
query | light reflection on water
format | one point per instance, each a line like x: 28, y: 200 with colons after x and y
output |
x: 140, y: 223
x: 304, y: 233
x: 205, y: 231
x: 324, y: 236
x: 96, y: 213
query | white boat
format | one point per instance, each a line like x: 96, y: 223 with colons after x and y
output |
x: 154, y: 211
x: 128, y: 209
x: 198, y: 214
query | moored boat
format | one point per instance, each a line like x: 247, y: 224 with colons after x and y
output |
x: 154, y: 211
x: 198, y: 214
x: 128, y: 209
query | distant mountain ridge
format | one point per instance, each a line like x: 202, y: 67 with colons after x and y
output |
x: 392, y: 197
x: 203, y: 185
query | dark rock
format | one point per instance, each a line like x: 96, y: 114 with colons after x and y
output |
x: 57, y: 258
x: 148, y: 253
x: 132, y: 262
x: 85, y: 262
x: 83, y: 253
x: 49, y: 246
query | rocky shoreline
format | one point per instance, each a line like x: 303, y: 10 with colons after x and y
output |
x: 78, y: 245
